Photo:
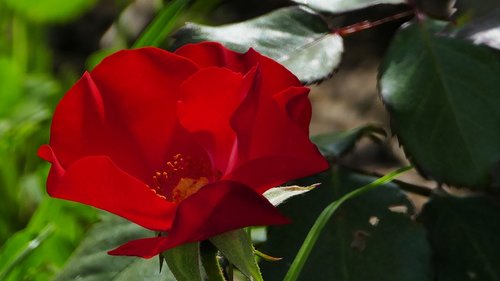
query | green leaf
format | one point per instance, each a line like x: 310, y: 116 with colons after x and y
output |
x: 184, y: 262
x: 278, y: 195
x: 237, y: 248
x: 210, y: 261
x: 325, y: 216
x: 443, y: 97
x: 10, y: 85
x: 50, y: 11
x: 483, y: 30
x: 296, y: 37
x: 157, y: 31
x: 21, y: 246
x: 342, y: 6
x: 90, y: 262
x: 38, y: 251
x: 464, y: 236
x: 334, y: 145
x: 366, y: 239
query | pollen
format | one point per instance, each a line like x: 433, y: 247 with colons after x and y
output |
x: 180, y: 178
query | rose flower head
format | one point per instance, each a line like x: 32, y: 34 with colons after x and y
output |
x: 183, y: 143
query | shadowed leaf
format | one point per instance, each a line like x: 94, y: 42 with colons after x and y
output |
x: 443, y: 97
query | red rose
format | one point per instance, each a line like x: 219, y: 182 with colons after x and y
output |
x: 184, y: 142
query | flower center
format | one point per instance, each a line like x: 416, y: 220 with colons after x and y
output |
x: 180, y: 178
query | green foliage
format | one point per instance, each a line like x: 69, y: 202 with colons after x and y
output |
x: 30, y: 254
x: 91, y: 261
x: 443, y: 98
x: 184, y: 262
x: 49, y: 11
x: 365, y: 239
x: 440, y: 86
x: 296, y: 37
x: 237, y: 248
x: 162, y: 24
x: 464, y: 236
x: 10, y: 84
x: 337, y: 144
x: 342, y: 6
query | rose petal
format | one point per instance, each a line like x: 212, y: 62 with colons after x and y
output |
x: 275, y: 77
x: 270, y: 135
x: 210, y: 54
x: 144, y: 248
x: 296, y: 104
x: 125, y: 109
x: 98, y: 182
x: 208, y: 100
x: 215, y: 209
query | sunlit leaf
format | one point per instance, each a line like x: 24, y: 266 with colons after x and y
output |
x: 278, y: 195
x: 296, y: 37
x: 341, y: 6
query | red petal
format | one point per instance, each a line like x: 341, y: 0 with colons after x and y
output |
x: 98, y: 182
x: 273, y: 140
x: 209, y: 54
x: 275, y: 77
x: 208, y: 100
x: 215, y: 209
x: 144, y: 248
x: 125, y: 109
x: 296, y: 104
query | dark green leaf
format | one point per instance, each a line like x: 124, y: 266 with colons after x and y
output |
x: 237, y: 247
x: 50, y: 10
x: 367, y: 239
x: 90, y: 262
x: 443, y: 97
x: 464, y: 236
x: 296, y: 37
x: 336, y: 144
x: 342, y: 6
x: 184, y: 261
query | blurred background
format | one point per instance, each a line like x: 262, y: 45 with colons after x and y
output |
x: 45, y: 45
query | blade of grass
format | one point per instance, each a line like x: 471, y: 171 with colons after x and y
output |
x: 313, y: 235
x: 156, y: 32
x: 28, y: 248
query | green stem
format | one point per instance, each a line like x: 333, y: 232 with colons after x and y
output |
x: 230, y: 272
x: 313, y: 235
